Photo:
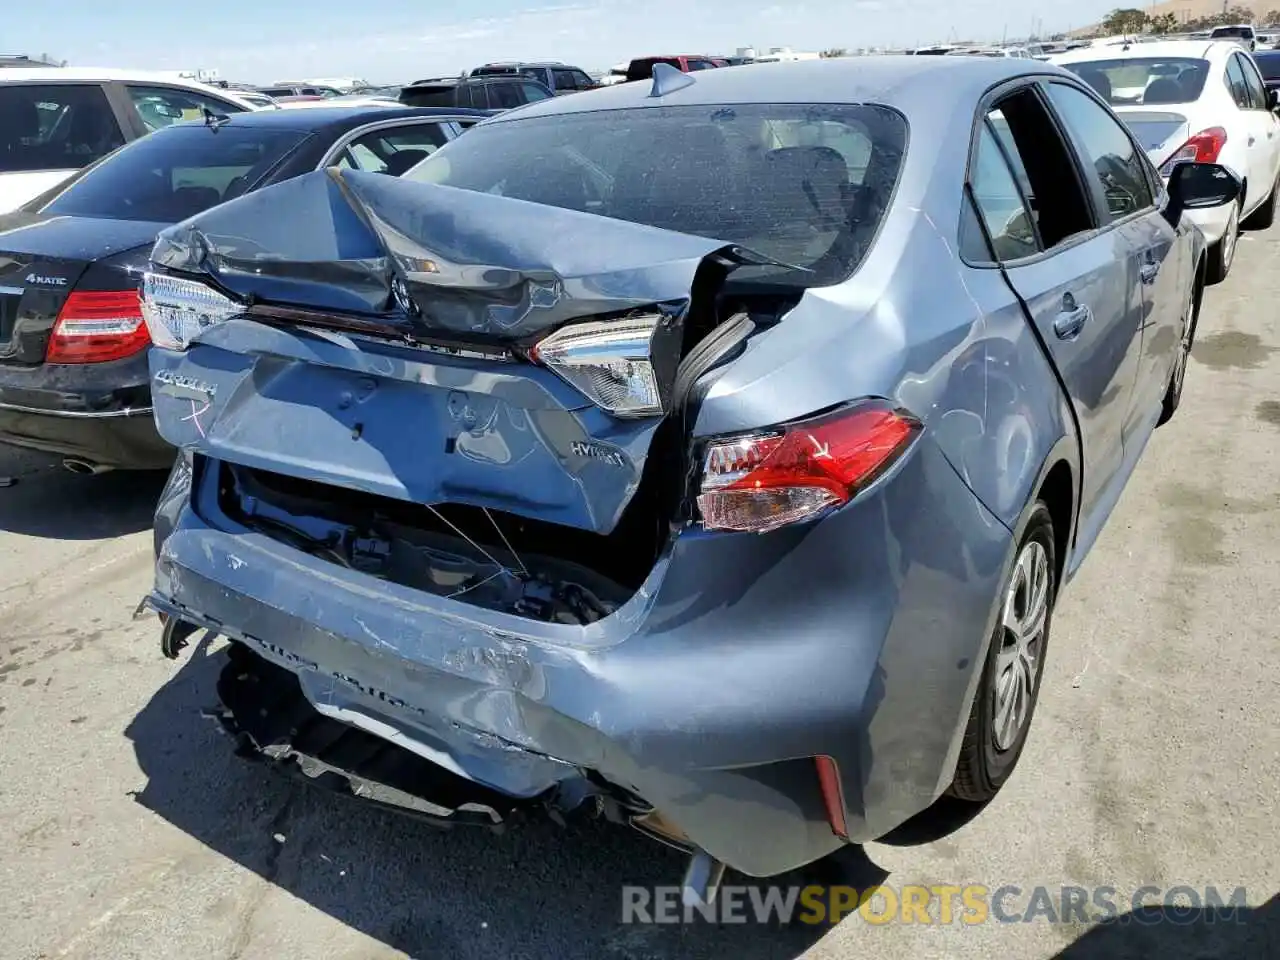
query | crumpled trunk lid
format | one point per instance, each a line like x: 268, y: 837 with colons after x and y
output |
x: 384, y: 343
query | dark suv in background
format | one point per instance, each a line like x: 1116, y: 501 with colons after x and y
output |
x: 558, y: 77
x: 495, y: 93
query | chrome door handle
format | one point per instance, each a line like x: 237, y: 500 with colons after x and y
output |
x: 1068, y: 324
x: 1149, y: 270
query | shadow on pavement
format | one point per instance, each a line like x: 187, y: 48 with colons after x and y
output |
x: 44, y: 500
x: 1184, y: 933
x: 536, y: 891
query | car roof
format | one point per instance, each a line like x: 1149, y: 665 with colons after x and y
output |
x: 1197, y: 49
x: 337, y: 119
x: 108, y: 75
x: 912, y: 83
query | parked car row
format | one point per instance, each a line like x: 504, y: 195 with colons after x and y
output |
x: 715, y: 467
x: 1196, y: 100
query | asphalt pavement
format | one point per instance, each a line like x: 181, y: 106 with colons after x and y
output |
x: 128, y: 828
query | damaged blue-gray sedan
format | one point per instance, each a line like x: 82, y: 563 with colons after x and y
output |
x: 706, y: 453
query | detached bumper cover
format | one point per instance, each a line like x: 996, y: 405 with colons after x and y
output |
x: 707, y: 695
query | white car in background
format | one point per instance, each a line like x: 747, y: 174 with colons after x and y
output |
x: 1195, y: 100
x: 57, y: 120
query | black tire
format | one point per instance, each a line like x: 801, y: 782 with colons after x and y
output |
x: 985, y: 764
x: 1221, y: 256
x: 1265, y: 215
x: 1177, y: 378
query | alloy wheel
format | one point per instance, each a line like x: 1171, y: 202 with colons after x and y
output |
x: 1024, y: 618
x: 1229, y: 238
x: 1184, y: 348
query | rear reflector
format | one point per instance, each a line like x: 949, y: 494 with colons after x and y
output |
x: 764, y: 481
x: 832, y: 795
x: 94, y: 327
x: 1204, y: 147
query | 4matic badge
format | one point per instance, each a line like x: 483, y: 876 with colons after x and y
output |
x: 36, y: 280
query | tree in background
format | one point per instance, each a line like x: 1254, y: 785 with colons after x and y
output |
x: 1271, y: 18
x: 1126, y: 20
x: 1163, y: 23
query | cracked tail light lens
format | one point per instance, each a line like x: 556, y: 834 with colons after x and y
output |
x: 610, y: 361
x: 177, y: 310
x: 758, y: 483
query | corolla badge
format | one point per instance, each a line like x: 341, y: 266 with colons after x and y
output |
x: 36, y: 280
x: 177, y: 385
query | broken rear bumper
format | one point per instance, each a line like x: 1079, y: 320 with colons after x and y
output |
x: 707, y: 695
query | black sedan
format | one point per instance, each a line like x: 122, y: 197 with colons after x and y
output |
x: 73, y: 365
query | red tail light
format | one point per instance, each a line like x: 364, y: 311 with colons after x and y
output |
x: 93, y: 327
x: 1204, y: 147
x: 765, y: 481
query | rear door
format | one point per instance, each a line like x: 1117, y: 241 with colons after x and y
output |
x: 1266, y: 127
x: 1114, y: 166
x: 1075, y: 275
x: 1258, y: 170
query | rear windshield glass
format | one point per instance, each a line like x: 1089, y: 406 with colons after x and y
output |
x: 1269, y: 64
x: 806, y: 185
x: 176, y: 173
x: 1245, y: 33
x: 58, y: 126
x: 1144, y: 80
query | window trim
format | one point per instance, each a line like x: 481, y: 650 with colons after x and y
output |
x: 1099, y: 199
x: 1226, y: 79
x: 351, y: 136
x: 999, y: 92
x: 1249, y: 68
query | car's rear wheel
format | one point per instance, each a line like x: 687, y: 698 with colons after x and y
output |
x: 1173, y: 394
x: 1265, y: 215
x: 1010, y: 686
x: 1223, y: 253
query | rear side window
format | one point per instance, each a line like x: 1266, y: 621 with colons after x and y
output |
x: 428, y: 96
x: 1253, y: 82
x: 805, y: 184
x: 1236, y: 84
x: 394, y: 150
x: 533, y: 92
x: 643, y: 69
x: 278, y: 91
x: 176, y: 173
x: 161, y: 106
x: 55, y: 126
x: 1002, y: 204
x: 1104, y: 145
x: 1018, y: 134
x: 504, y: 95
x: 565, y: 79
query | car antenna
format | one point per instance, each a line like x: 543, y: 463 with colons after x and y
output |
x: 667, y: 79
x: 214, y: 120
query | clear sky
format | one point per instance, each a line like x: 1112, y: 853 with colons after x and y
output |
x: 396, y: 41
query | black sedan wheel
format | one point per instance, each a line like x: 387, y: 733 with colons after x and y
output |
x: 1006, y: 698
